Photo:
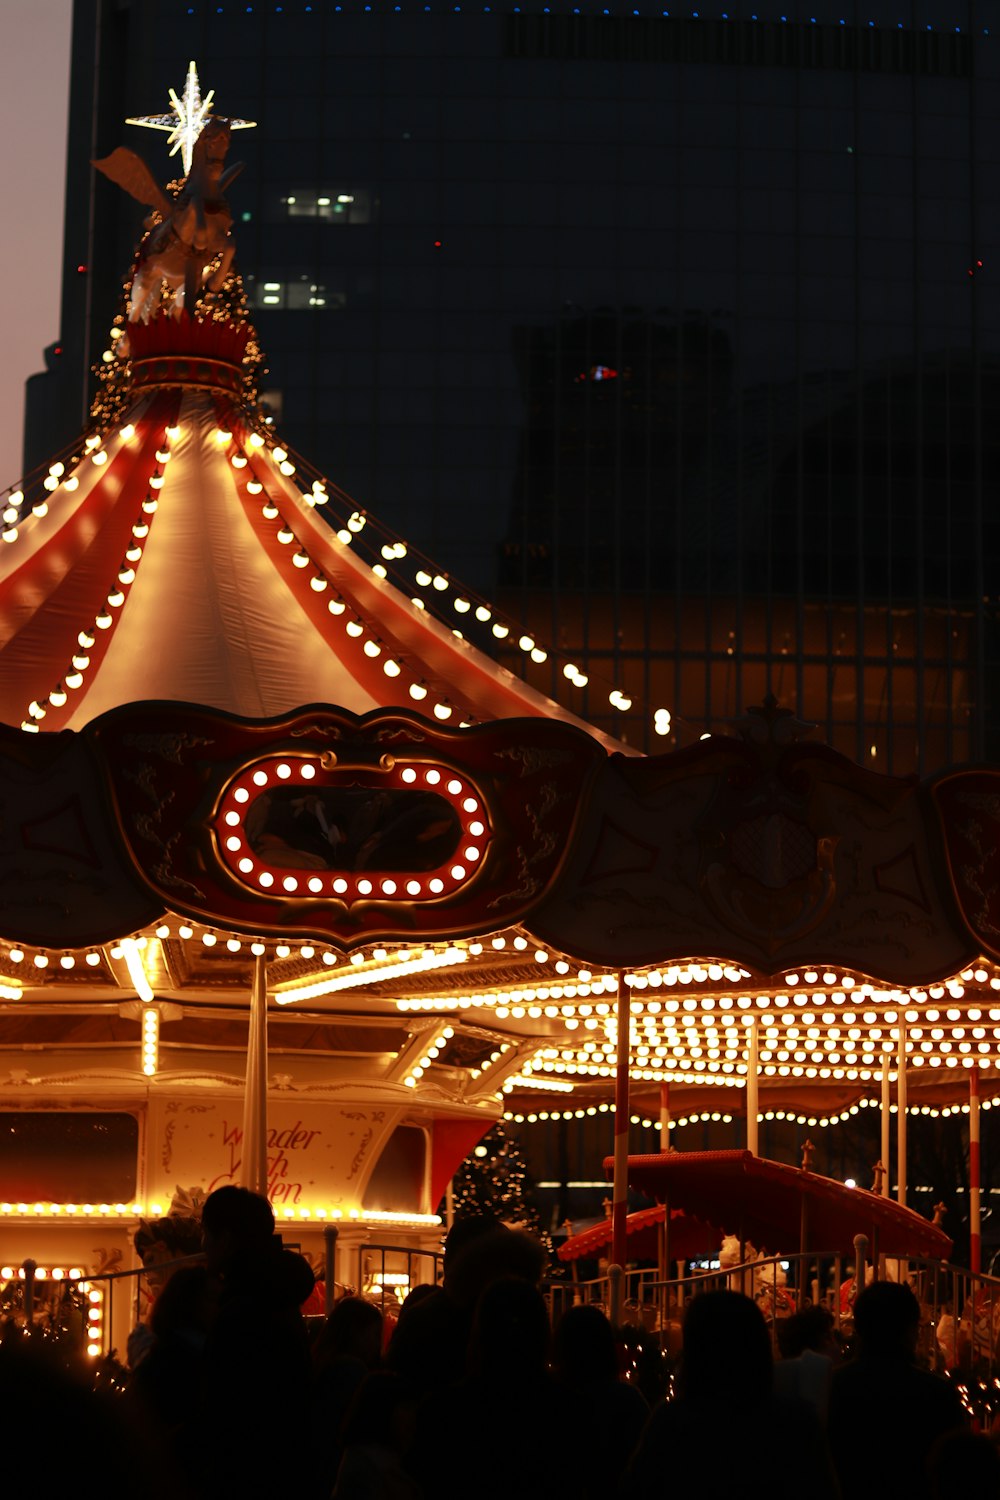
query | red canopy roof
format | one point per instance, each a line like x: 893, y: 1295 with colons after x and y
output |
x: 763, y: 1201
x: 688, y: 1236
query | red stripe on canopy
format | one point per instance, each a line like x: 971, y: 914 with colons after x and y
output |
x: 62, y: 587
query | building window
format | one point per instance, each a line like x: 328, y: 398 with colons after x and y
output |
x: 333, y: 205
x: 296, y: 293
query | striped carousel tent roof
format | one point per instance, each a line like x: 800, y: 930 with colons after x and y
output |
x: 181, y: 555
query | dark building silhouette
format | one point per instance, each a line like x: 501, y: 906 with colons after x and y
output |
x: 675, y: 331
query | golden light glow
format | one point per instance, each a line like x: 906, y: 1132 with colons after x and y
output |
x: 129, y: 1212
x: 430, y: 1054
x: 132, y: 954
x: 815, y: 1121
x: 547, y: 1085
x: 355, y: 976
x: 150, y: 1040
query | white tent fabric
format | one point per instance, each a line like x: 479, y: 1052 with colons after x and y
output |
x: 209, y: 619
x: 181, y: 561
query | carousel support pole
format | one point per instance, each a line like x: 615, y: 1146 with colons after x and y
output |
x: 616, y: 1277
x: 975, y: 1178
x: 330, y: 1233
x: 753, y: 1071
x: 860, y: 1256
x: 254, y: 1165
x: 661, y: 1254
x: 664, y: 1115
x: 901, y: 1118
x: 743, y: 1256
x: 665, y: 1275
x: 886, y: 1126
x: 619, y: 1191
x: 29, y: 1268
x: 803, y: 1251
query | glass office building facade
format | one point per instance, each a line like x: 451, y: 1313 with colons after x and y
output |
x: 674, y: 332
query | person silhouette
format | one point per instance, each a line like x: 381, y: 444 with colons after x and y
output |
x: 256, y: 1368
x: 726, y: 1410
x: 886, y: 1414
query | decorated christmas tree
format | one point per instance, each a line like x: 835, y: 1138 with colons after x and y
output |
x: 496, y: 1177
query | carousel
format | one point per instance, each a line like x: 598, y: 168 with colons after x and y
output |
x: 299, y: 888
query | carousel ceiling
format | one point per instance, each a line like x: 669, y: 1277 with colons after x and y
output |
x: 453, y: 908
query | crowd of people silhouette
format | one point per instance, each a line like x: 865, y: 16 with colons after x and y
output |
x: 470, y: 1392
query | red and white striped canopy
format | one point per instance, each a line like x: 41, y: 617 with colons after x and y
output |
x: 183, y: 558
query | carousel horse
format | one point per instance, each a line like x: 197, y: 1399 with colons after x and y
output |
x: 976, y: 1335
x: 767, y: 1280
x: 730, y: 1256
x: 771, y: 1292
x: 189, y: 232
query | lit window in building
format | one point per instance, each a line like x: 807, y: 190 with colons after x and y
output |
x: 298, y: 293
x: 332, y: 205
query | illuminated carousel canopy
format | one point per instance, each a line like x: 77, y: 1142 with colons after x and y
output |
x: 248, y: 736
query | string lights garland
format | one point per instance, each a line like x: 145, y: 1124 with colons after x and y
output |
x: 129, y: 1212
x: 686, y: 1028
x: 427, y: 587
